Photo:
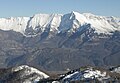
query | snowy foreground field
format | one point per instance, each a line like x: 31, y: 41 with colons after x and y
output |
x: 26, y: 74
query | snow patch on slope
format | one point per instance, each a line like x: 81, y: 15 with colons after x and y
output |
x: 100, y: 23
x: 116, y: 70
x: 28, y: 71
x: 44, y: 21
x: 16, y: 24
x: 88, y: 73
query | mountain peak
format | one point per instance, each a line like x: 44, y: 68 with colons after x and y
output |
x: 79, y: 17
x: 74, y: 12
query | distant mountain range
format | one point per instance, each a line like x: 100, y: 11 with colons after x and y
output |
x: 57, y: 23
x: 57, y: 42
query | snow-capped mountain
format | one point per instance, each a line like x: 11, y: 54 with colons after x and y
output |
x: 60, y: 41
x: 17, y: 24
x: 22, y: 74
x: 57, y: 23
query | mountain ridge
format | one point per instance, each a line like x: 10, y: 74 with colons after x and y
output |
x: 70, y: 22
x: 58, y: 42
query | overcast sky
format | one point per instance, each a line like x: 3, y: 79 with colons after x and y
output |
x: 15, y: 8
